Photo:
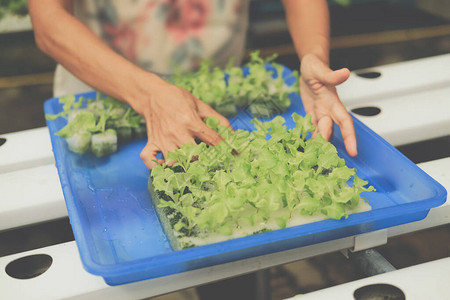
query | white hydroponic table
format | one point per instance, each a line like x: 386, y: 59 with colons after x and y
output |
x: 414, y: 98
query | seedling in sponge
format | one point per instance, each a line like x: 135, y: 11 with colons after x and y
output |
x: 98, y: 125
x: 249, y: 184
x: 104, y: 143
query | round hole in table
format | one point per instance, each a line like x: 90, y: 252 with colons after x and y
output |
x: 379, y: 291
x: 369, y: 74
x: 367, y: 111
x: 29, y: 266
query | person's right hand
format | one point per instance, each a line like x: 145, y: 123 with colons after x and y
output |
x: 174, y: 117
x: 320, y: 99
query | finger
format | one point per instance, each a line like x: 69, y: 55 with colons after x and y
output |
x: 206, y: 110
x: 148, y: 156
x: 309, y: 109
x: 308, y: 101
x: 207, y: 135
x: 180, y: 141
x: 325, y: 127
x: 324, y: 74
x: 169, y: 147
x: 351, y: 145
x: 345, y: 122
x: 185, y: 139
x: 336, y: 77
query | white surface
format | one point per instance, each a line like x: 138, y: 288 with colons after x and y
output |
x: 425, y: 281
x: 410, y: 118
x: 25, y: 149
x: 62, y: 280
x: 397, y: 79
x: 414, y: 98
x: 30, y: 196
x: 66, y: 278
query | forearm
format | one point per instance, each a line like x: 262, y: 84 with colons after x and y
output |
x: 81, y: 52
x: 308, y: 22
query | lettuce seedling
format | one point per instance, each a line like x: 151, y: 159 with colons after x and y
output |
x: 265, y: 185
x: 258, y: 86
x: 97, y: 125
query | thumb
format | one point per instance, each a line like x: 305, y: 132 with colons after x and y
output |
x: 336, y: 77
x: 148, y: 155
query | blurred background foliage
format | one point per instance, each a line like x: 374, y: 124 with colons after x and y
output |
x: 13, y: 7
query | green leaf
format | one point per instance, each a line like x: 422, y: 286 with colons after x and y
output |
x: 274, y: 198
x: 221, y: 180
x: 309, y: 157
x: 299, y: 180
x: 308, y: 205
x: 179, y: 181
x: 171, y: 204
x: 179, y: 225
x: 68, y: 102
x: 226, y: 229
x: 198, y: 171
x: 84, y: 121
x: 219, y: 211
x: 53, y: 117
x: 342, y: 173
x: 334, y: 210
x: 267, y: 159
x: 157, y: 171
x: 282, y: 221
x: 327, y: 160
x: 187, y: 200
x: 212, y: 122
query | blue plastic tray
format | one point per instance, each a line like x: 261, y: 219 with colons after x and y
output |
x: 120, y: 238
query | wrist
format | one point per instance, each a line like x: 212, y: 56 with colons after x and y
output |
x: 319, y: 51
x: 141, y: 90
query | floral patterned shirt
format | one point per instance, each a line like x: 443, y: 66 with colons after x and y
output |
x: 163, y: 36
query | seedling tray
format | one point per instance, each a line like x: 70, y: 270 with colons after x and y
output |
x: 120, y: 237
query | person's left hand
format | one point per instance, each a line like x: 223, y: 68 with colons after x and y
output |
x: 318, y: 91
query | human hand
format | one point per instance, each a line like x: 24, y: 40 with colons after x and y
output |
x: 175, y: 117
x: 318, y: 91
